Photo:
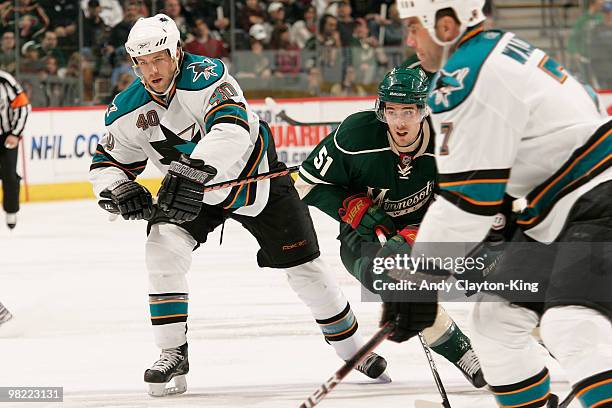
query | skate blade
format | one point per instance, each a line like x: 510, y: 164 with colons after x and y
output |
x: 161, y: 389
x: 427, y: 404
x: 383, y: 379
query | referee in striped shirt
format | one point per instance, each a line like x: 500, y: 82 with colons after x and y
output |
x: 14, y: 110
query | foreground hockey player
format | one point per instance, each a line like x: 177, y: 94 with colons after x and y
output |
x: 190, y: 118
x: 509, y: 119
x: 377, y: 170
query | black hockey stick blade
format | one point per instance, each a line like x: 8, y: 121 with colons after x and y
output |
x: 343, y: 371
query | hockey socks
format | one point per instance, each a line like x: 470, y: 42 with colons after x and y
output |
x: 452, y: 344
x: 595, y: 391
x: 339, y: 327
x: 530, y: 393
x: 168, y: 308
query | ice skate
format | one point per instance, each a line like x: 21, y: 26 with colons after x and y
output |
x: 374, y: 366
x: 470, y: 367
x: 172, y: 364
x: 11, y: 220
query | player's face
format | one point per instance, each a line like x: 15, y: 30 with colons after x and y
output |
x: 404, y: 122
x: 419, y: 39
x: 157, y: 70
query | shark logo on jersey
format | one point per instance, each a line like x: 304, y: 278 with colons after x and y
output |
x: 204, y: 68
x: 447, y: 83
x: 173, y: 145
x: 112, y: 107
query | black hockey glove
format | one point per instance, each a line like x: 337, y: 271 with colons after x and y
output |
x: 182, y: 190
x: 410, y: 318
x: 133, y: 201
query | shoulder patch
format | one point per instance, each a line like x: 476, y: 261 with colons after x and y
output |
x: 199, y: 72
x: 455, y: 82
x: 130, y: 99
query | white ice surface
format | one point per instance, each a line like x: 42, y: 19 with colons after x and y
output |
x: 77, y: 286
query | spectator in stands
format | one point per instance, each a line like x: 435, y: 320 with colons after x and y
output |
x: 252, y: 13
x: 315, y: 82
x: 366, y: 55
x: 288, y: 58
x: 303, y: 30
x: 254, y: 64
x: 48, y: 47
x: 327, y: 41
x: 63, y: 19
x: 124, y: 80
x: 364, y: 8
x: 601, y: 49
x: 33, y: 20
x: 276, y: 14
x: 31, y: 62
x: 111, y: 11
x: 392, y: 28
x: 7, y: 52
x: 346, y: 23
x: 172, y: 8
x: 124, y: 65
x: 95, y: 30
x: 578, y: 41
x: 348, y: 87
x: 204, y: 44
x: 259, y: 32
x: 119, y: 33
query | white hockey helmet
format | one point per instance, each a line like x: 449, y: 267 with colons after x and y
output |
x: 469, y: 12
x: 153, y: 34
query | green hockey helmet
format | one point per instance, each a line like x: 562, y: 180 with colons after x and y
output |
x: 403, y: 85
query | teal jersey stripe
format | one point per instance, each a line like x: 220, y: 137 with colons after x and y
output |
x: 582, y: 167
x: 343, y: 325
x: 109, y: 162
x: 168, y: 309
x: 230, y: 110
x: 526, y: 396
x: 241, y: 200
x: 484, y: 192
x: 597, y: 394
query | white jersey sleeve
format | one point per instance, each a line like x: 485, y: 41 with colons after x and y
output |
x: 117, y: 157
x: 226, y: 119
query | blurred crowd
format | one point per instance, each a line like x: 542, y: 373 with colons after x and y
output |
x: 71, y: 51
x: 590, y: 44
x: 313, y: 46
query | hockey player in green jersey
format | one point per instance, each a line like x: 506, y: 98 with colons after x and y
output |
x: 377, y: 171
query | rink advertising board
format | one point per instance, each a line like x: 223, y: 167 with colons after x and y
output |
x: 58, y: 144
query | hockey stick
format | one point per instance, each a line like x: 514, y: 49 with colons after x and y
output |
x: 339, y: 375
x: 112, y: 208
x: 280, y: 112
x: 432, y: 365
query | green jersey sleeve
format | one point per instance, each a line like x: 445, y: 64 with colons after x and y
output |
x: 324, y: 177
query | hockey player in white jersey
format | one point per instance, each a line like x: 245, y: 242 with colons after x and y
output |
x: 511, y: 122
x: 189, y: 117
